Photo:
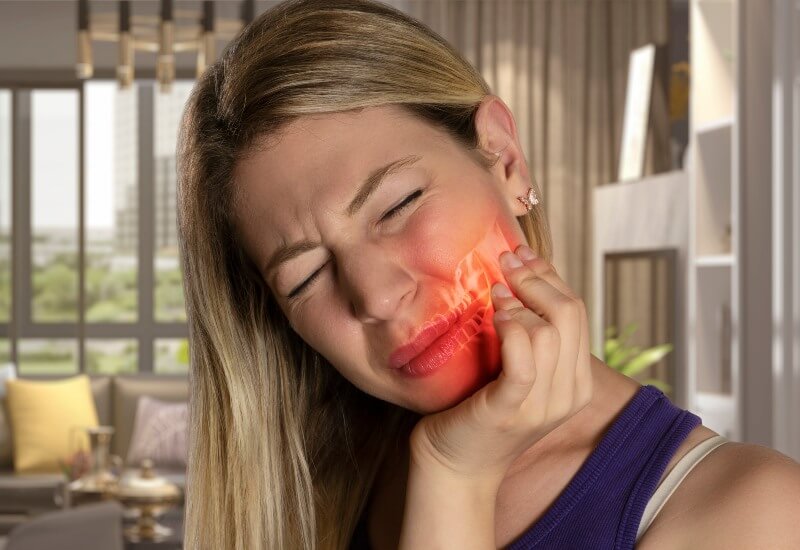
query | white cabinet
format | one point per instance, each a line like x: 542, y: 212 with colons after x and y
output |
x: 713, y: 381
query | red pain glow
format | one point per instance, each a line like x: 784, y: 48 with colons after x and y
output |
x: 465, y: 322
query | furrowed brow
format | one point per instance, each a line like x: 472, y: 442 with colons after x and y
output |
x: 286, y: 252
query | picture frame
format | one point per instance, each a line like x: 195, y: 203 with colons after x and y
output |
x: 643, y: 66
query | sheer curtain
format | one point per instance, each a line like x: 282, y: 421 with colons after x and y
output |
x: 561, y: 66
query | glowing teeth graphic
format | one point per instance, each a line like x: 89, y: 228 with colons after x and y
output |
x: 467, y: 306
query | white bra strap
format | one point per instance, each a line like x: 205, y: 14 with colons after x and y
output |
x: 674, y: 478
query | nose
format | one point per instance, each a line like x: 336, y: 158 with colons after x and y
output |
x: 375, y: 281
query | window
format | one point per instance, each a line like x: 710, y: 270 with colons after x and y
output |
x: 5, y: 223
x: 93, y: 270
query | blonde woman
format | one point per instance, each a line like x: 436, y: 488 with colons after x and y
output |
x: 382, y: 355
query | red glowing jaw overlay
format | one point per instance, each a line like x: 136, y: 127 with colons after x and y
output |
x: 469, y: 293
x: 479, y: 270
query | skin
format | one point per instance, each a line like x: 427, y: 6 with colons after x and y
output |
x: 391, y: 277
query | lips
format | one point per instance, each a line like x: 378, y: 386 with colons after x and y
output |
x: 429, y: 333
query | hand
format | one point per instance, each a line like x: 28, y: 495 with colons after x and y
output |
x: 545, y: 379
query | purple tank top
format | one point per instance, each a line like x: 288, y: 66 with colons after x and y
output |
x: 603, y: 503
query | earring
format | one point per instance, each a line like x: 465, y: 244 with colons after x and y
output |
x: 530, y: 200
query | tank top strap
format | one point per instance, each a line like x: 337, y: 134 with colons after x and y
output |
x: 674, y: 479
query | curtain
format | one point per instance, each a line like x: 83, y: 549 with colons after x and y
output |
x: 561, y: 67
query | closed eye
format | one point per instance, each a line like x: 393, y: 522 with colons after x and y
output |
x: 305, y: 283
x: 390, y: 214
x: 400, y: 207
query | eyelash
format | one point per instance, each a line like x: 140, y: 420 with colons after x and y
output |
x: 390, y: 214
x: 400, y: 207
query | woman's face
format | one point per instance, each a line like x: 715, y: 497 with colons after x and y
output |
x: 420, y: 251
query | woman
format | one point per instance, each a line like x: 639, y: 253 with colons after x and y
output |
x: 349, y: 190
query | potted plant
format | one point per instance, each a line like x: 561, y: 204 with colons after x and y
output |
x: 632, y: 360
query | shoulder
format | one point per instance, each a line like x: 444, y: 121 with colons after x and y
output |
x: 740, y: 496
x: 758, y: 503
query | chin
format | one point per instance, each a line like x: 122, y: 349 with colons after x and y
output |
x: 465, y: 373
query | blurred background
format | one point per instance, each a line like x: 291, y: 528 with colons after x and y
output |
x: 664, y: 135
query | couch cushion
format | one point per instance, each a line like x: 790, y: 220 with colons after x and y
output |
x: 159, y: 432
x: 126, y: 392
x: 48, y: 420
x: 28, y: 493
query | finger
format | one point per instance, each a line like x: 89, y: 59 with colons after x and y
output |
x: 544, y: 353
x: 547, y: 271
x: 564, y: 313
x: 583, y: 375
x: 536, y: 292
x: 504, y: 395
x: 544, y: 269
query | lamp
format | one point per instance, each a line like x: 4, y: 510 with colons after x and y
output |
x: 170, y: 32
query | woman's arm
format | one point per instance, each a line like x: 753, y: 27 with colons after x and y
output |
x: 444, y: 510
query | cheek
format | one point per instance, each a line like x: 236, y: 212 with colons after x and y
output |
x: 439, y: 235
x: 332, y: 334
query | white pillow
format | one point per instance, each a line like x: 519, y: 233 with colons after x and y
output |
x: 159, y: 433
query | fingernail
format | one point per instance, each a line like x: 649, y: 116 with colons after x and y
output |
x: 502, y: 315
x: 501, y: 291
x: 525, y: 252
x: 510, y: 261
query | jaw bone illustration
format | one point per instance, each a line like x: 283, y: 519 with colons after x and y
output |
x: 473, y: 278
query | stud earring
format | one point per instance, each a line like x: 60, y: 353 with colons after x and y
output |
x: 530, y: 200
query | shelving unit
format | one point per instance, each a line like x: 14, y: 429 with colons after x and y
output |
x: 713, y: 384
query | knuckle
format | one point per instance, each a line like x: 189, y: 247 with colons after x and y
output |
x: 525, y: 277
x: 515, y: 328
x: 545, y: 333
x: 568, y: 310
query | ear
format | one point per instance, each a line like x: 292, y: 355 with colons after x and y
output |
x: 497, y: 133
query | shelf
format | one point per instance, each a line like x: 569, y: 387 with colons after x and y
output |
x: 713, y: 331
x: 724, y: 123
x: 713, y: 47
x: 715, y: 260
x: 712, y: 187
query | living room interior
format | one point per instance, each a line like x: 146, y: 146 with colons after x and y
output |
x: 665, y: 136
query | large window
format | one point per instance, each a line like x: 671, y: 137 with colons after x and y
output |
x: 90, y: 253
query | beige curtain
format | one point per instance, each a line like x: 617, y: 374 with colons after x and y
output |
x: 561, y: 66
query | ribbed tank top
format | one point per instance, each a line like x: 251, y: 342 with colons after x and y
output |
x: 602, y: 505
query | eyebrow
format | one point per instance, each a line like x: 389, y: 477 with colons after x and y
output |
x: 371, y: 184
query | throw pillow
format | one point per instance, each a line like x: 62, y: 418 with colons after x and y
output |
x: 7, y: 372
x: 159, y: 432
x: 48, y: 419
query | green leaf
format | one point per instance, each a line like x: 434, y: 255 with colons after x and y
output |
x: 611, y: 346
x: 645, y: 359
x: 629, y: 329
x: 618, y: 360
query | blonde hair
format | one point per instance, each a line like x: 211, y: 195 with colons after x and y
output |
x: 284, y: 450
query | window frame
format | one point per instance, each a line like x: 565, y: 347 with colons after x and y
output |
x: 146, y: 330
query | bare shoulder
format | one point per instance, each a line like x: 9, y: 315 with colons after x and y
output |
x: 740, y: 496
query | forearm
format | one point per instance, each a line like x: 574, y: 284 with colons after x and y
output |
x: 443, y: 511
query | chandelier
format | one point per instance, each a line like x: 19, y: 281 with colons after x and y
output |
x: 169, y: 32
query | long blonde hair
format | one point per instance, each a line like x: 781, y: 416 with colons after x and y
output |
x: 284, y: 450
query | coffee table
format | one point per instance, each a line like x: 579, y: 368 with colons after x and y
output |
x: 172, y: 518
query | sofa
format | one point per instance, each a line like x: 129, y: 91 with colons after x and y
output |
x: 23, y: 496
